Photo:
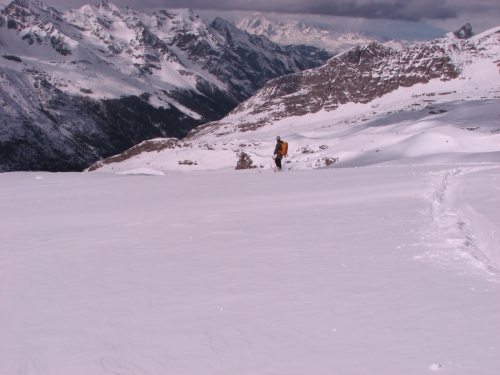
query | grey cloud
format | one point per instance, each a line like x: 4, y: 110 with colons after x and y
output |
x: 404, y: 10
x: 395, y: 10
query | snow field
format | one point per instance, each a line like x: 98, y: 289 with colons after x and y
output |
x: 325, y: 271
x: 467, y: 132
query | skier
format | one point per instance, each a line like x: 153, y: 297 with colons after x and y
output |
x: 280, y: 150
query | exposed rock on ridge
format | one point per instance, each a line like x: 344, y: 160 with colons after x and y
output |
x: 356, y: 76
x: 465, y: 32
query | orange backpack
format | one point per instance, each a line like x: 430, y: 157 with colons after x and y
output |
x: 284, y: 148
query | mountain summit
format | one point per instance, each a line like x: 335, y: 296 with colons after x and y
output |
x: 465, y: 32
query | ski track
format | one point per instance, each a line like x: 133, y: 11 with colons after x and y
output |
x: 450, y: 236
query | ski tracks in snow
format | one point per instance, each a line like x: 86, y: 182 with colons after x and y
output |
x: 458, y: 236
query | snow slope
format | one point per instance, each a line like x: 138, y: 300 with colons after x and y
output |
x: 459, y: 127
x: 387, y: 269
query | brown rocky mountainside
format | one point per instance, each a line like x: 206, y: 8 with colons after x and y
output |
x: 358, y: 75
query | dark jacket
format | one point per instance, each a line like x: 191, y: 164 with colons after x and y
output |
x: 277, y: 149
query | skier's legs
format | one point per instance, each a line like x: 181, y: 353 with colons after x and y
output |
x: 278, y: 161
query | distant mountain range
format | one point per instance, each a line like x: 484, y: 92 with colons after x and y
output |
x: 296, y: 33
x: 84, y: 84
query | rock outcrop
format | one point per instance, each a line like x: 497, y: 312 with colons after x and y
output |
x: 465, y: 32
x: 244, y: 162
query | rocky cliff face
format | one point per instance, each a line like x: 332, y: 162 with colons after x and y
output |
x: 358, y: 76
x: 88, y: 83
x: 236, y: 63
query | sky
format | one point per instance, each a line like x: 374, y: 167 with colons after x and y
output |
x: 361, y: 15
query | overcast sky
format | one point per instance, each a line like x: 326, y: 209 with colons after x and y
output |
x: 439, y: 14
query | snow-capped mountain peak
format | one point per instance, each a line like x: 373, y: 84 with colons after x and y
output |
x: 258, y: 24
x: 108, y: 6
x: 296, y: 32
x: 24, y: 13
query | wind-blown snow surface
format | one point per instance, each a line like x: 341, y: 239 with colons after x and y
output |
x: 387, y: 269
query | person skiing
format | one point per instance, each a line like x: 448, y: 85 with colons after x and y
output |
x: 279, y: 154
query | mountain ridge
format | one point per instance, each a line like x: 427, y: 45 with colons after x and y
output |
x: 297, y: 32
x: 102, y: 59
x: 364, y: 73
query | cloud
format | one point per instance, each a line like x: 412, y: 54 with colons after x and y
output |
x: 380, y: 9
x: 404, y: 10
x: 432, y: 11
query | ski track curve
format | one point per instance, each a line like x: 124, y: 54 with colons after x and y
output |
x: 453, y: 236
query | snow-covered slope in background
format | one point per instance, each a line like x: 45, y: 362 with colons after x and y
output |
x: 296, y: 32
x: 433, y: 101
x: 128, y: 76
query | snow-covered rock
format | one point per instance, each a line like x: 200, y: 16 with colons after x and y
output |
x: 367, y: 105
x: 91, y: 82
x: 465, y: 32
